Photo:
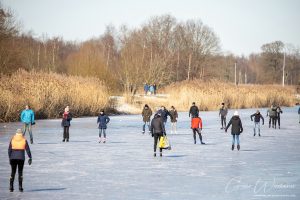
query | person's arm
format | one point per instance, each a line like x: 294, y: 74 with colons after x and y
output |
x: 190, y: 111
x: 176, y: 114
x: 200, y: 123
x: 32, y: 117
x: 9, y: 150
x: 263, y: 120
x: 251, y: 117
x: 241, y: 127
x: 107, y: 119
x: 28, y: 150
x: 229, y: 123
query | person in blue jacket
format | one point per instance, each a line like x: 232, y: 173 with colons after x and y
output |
x: 27, y: 118
x: 102, y: 122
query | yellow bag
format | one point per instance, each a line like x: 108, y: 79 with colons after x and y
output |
x: 164, y: 143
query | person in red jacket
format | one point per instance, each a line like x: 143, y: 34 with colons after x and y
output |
x: 197, y: 127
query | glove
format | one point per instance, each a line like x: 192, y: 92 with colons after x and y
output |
x: 29, y: 161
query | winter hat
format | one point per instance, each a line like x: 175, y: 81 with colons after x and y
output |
x: 19, y: 131
x: 257, y: 111
x: 236, y: 113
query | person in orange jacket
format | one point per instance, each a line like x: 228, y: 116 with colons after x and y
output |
x: 197, y: 127
x: 16, y: 153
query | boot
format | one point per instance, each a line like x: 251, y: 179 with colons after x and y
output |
x: 194, y: 141
x: 63, y: 140
x: 31, y: 141
x: 11, y: 184
x: 238, y: 147
x: 104, y: 140
x: 202, y: 142
x: 160, y: 154
x: 20, y: 184
x: 154, y: 154
x: 232, y: 147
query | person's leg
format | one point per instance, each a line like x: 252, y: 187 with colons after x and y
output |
x: 225, y: 122
x: 258, y: 127
x: 270, y: 118
x: 160, y: 149
x: 20, y: 173
x: 67, y: 133
x: 278, y: 119
x: 200, y: 136
x: 175, y: 127
x: 100, y: 133
x: 148, y: 124
x: 233, y: 141
x: 30, y: 133
x: 274, y: 122
x: 104, y: 135
x: 222, y: 119
x: 194, y: 135
x: 24, y: 128
x: 254, y: 128
x: 13, y: 165
x: 155, y: 143
x: 238, y: 141
x: 144, y: 125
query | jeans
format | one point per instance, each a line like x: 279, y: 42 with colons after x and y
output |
x: 144, y: 126
x: 223, y: 120
x: 173, y: 127
x: 272, y: 120
x: 102, y: 130
x: 256, y: 126
x: 235, y: 138
x: 28, y: 127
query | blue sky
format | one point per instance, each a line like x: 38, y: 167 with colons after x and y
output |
x: 242, y: 25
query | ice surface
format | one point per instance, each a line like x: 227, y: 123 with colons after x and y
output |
x: 267, y: 167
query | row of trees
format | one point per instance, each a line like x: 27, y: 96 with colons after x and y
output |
x: 160, y: 51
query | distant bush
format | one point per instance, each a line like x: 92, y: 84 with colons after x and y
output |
x: 49, y: 93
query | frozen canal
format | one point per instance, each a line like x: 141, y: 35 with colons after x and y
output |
x: 267, y: 167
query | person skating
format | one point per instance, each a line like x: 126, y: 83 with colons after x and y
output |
x: 164, y: 113
x: 157, y: 131
x: 173, y: 116
x: 223, y: 113
x: 236, y: 129
x: 194, y: 110
x: 66, y: 123
x: 146, y: 88
x: 102, y: 121
x: 197, y: 128
x: 272, y: 113
x: 257, y: 116
x: 278, y: 111
x: 16, y: 153
x: 27, y: 118
x: 146, y: 114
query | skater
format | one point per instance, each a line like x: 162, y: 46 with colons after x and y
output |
x: 27, y: 118
x: 194, y: 110
x: 278, y: 111
x: 151, y: 89
x: 236, y: 129
x: 299, y: 114
x: 272, y: 113
x: 16, y: 154
x: 146, y: 88
x: 223, y: 113
x: 257, y: 116
x: 102, y: 120
x: 157, y: 131
x: 146, y: 114
x: 66, y: 123
x: 173, y: 116
x: 197, y: 128
x: 164, y: 113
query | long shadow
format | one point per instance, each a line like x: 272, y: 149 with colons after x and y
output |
x: 175, y: 156
x: 267, y: 136
x: 210, y: 144
x: 47, y: 143
x: 46, y: 189
x: 250, y: 150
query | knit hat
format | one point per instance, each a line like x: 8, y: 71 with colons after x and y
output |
x: 19, y: 131
x: 236, y: 113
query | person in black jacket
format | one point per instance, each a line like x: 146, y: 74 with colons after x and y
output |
x: 16, y: 154
x: 66, y: 123
x: 257, y: 116
x: 164, y: 113
x: 279, y: 111
x: 157, y: 131
x: 236, y: 129
x: 194, y: 110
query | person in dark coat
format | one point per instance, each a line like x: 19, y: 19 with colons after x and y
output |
x: 146, y: 88
x: 102, y: 122
x: 164, y: 113
x: 155, y: 89
x: 16, y: 153
x: 236, y: 129
x: 257, y: 116
x: 272, y: 113
x: 223, y: 113
x: 157, y: 131
x: 173, y: 116
x: 66, y: 123
x: 146, y: 114
x: 194, y: 110
x: 278, y: 111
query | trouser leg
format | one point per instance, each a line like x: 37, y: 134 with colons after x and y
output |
x: 258, y: 127
x: 155, y: 142
x: 199, y: 133
x: 67, y: 132
x: 30, y: 132
x: 13, y: 165
x: 194, y: 135
x: 237, y: 137
x: 278, y: 119
x: 20, y: 173
x: 254, y: 128
x: 100, y: 132
x: 233, y: 139
x: 270, y: 119
x: 144, y: 125
x: 148, y: 124
x: 104, y: 132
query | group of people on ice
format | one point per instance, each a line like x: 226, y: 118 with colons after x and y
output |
x: 150, y: 89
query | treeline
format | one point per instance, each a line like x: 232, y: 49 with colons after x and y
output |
x: 163, y: 50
